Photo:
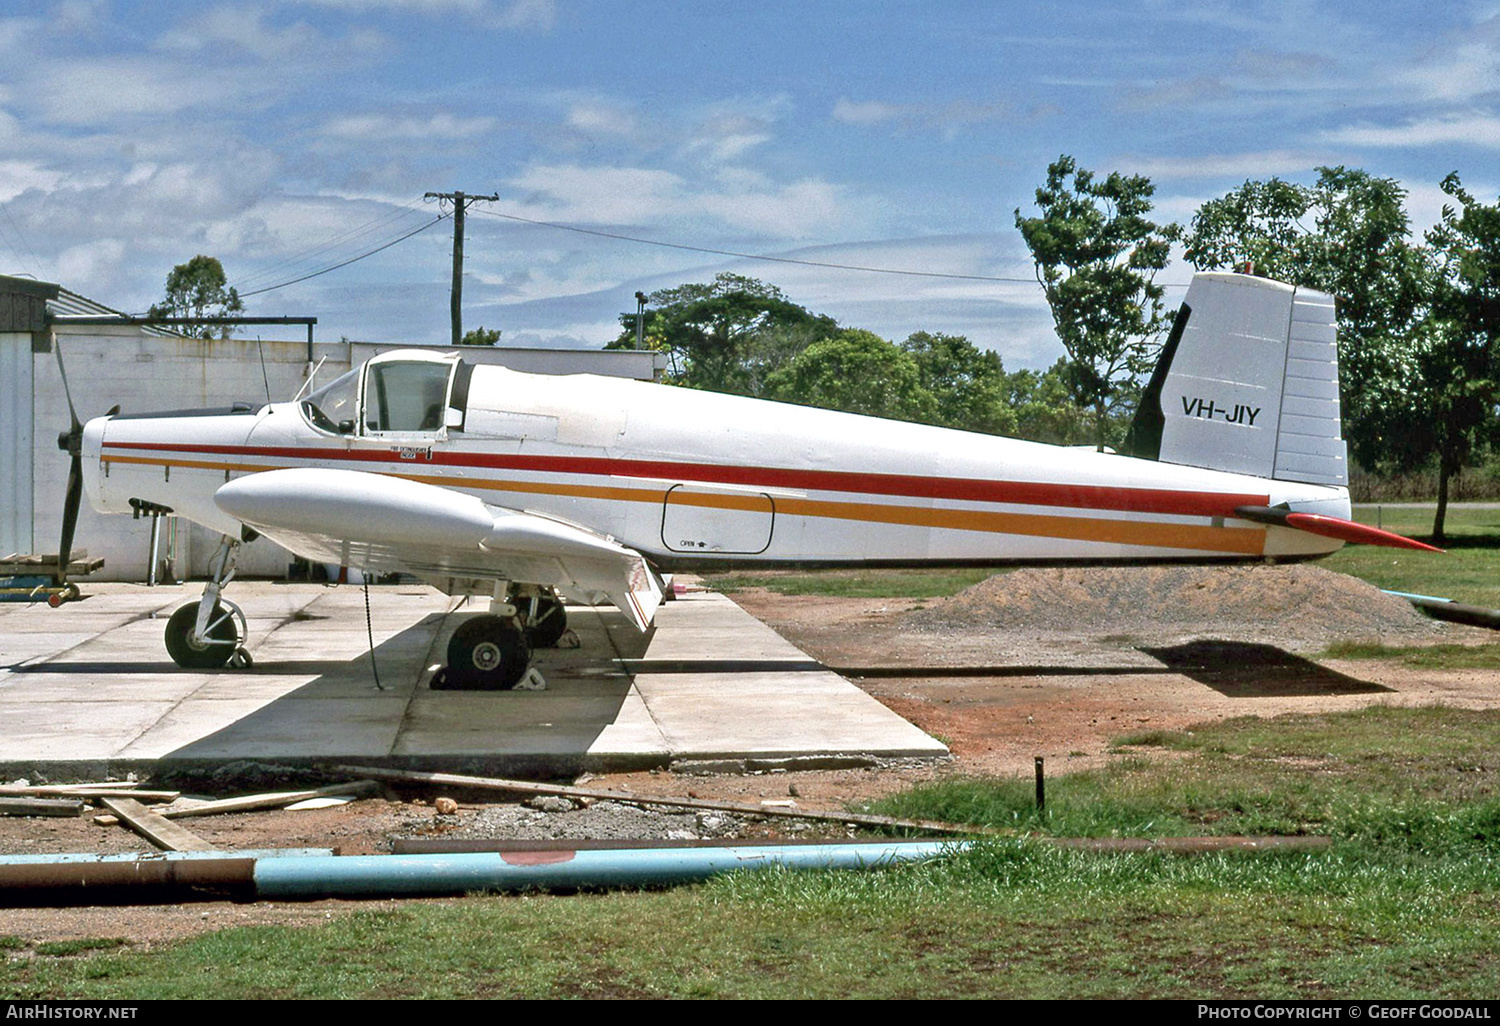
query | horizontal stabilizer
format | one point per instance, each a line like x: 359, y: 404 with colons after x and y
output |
x: 1331, y: 527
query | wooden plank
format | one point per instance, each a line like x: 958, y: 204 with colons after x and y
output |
x: 274, y: 800
x: 86, y: 791
x: 256, y: 802
x: 159, y: 830
x: 561, y: 791
x: 40, y: 807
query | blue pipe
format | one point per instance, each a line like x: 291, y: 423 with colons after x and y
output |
x: 369, y: 876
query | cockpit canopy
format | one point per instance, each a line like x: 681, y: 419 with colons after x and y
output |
x: 404, y: 392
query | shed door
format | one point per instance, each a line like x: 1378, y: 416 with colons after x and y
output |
x: 16, y: 484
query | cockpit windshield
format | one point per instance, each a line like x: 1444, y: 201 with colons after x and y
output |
x: 335, y: 403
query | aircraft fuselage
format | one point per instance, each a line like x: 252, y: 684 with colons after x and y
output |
x: 695, y: 479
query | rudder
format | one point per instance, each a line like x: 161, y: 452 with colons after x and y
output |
x: 1247, y: 382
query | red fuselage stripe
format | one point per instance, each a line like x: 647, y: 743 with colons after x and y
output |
x: 1023, y: 493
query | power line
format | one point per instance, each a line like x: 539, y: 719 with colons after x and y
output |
x: 36, y: 265
x: 345, y: 263
x: 755, y: 256
x: 346, y: 236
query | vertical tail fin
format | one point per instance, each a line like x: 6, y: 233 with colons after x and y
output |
x: 1248, y: 382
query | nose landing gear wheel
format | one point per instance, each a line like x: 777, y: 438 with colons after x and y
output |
x: 487, y: 653
x: 201, y: 655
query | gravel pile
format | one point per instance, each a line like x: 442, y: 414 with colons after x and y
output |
x: 1298, y: 606
x: 559, y: 818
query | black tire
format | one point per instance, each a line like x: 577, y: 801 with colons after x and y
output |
x: 191, y: 656
x: 551, y: 620
x: 487, y: 653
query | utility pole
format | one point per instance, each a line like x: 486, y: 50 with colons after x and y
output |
x: 461, y: 202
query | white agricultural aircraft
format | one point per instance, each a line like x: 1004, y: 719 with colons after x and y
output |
x: 530, y: 488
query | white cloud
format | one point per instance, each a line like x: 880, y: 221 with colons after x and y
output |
x: 729, y: 130
x: 596, y: 117
x: 529, y: 14
x: 948, y: 118
x: 518, y: 14
x: 1470, y: 129
x: 1260, y: 164
x: 602, y: 195
x: 409, y: 127
x: 17, y: 176
x: 1460, y: 72
x: 868, y: 112
x: 89, y: 261
x: 101, y: 90
x: 15, y: 34
x: 239, y: 28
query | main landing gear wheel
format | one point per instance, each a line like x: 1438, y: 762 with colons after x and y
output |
x: 201, y: 655
x: 544, y: 630
x: 487, y: 653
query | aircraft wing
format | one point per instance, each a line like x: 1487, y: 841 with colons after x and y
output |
x: 384, y: 524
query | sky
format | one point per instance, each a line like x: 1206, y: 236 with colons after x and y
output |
x: 288, y: 137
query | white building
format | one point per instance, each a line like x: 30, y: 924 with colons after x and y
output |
x: 145, y: 369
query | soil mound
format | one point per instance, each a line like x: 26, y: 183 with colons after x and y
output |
x: 1297, y: 605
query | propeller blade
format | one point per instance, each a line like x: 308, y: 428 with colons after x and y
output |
x: 70, y: 517
x: 77, y: 427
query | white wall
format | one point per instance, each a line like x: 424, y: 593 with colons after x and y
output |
x: 16, y: 443
x: 142, y: 373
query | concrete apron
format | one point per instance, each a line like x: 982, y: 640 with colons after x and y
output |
x: 88, y: 690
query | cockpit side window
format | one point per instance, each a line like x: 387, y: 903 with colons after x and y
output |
x: 334, y: 403
x: 406, y: 397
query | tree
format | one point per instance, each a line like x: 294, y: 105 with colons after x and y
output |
x: 1460, y: 364
x: 1096, y: 253
x: 855, y: 371
x: 967, y: 384
x: 1044, y: 408
x: 481, y: 336
x: 1259, y: 224
x: 728, y: 335
x: 1348, y: 234
x: 198, y: 288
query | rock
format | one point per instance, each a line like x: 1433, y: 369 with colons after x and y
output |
x: 550, y: 803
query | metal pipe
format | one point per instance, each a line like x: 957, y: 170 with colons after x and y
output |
x: 1454, y: 612
x: 301, y: 874
x: 155, y: 547
x: 368, y: 876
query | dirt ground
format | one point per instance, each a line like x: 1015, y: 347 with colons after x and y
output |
x: 1045, y: 663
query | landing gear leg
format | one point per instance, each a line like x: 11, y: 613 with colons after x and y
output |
x: 209, y: 633
x: 543, y: 616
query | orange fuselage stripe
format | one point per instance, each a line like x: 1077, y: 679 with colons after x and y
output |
x: 1248, y: 541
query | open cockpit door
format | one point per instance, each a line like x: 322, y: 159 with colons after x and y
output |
x: 401, y: 394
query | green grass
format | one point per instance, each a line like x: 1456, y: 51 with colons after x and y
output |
x: 1425, y: 657
x: 854, y: 583
x: 1341, y: 774
x: 1406, y: 904
x: 78, y: 945
x: 1468, y: 572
